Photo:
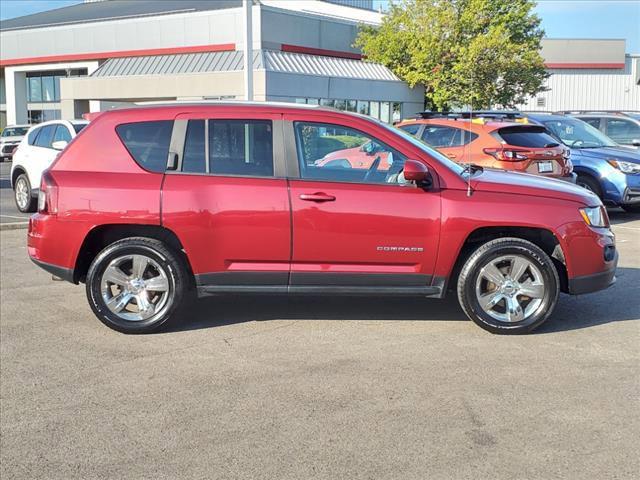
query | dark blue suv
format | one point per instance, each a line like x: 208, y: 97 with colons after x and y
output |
x: 610, y: 170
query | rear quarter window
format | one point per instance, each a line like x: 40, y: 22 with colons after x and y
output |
x: 531, y: 137
x: 147, y: 142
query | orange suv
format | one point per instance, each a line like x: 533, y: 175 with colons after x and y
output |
x: 495, y: 140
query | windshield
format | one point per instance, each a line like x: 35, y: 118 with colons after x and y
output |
x: 425, y: 148
x: 79, y: 126
x: 578, y: 134
x: 15, y: 131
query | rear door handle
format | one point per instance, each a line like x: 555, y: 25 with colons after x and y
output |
x: 317, y: 197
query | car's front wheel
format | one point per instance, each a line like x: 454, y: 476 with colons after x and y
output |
x: 136, y: 285
x: 25, y: 202
x: 508, y: 286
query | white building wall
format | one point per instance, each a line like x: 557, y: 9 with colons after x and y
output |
x: 591, y: 89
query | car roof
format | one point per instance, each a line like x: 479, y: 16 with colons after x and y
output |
x: 186, y: 106
x: 541, y: 117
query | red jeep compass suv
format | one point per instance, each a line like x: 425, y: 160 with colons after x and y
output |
x: 149, y: 205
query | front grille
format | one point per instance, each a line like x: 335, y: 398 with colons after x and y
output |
x: 8, y: 148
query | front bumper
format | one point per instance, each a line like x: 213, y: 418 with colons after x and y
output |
x: 595, y: 282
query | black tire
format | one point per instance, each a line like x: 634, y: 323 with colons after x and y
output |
x: 29, y: 204
x: 174, y: 269
x: 493, y: 251
x: 631, y: 208
x: 590, y: 183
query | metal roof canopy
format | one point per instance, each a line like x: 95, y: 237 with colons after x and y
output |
x: 269, y: 60
x: 112, y: 10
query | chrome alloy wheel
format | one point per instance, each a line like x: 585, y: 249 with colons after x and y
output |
x: 135, y: 287
x: 510, y: 288
x: 22, y: 193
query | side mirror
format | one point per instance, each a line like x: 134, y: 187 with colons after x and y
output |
x: 415, y: 171
x: 59, y: 145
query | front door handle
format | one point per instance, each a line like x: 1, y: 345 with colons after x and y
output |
x: 317, y: 197
x: 451, y: 155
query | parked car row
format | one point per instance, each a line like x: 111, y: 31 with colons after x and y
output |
x: 532, y: 143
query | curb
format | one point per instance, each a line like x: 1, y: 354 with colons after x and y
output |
x: 13, y: 226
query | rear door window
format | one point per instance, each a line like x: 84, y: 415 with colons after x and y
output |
x: 530, y: 137
x: 593, y: 121
x: 229, y: 147
x: 622, y: 131
x: 45, y: 137
x: 441, y: 136
x: 147, y: 142
x: 241, y: 147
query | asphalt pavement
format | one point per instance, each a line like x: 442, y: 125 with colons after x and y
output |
x: 299, y: 388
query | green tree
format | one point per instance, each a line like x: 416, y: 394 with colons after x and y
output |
x: 465, y: 52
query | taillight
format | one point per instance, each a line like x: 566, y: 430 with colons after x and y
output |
x: 507, y: 154
x: 48, y: 194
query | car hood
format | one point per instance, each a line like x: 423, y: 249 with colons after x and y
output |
x: 627, y: 154
x: 502, y: 181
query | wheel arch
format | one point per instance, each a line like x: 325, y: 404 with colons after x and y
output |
x: 15, y: 173
x: 544, y: 238
x: 103, y: 235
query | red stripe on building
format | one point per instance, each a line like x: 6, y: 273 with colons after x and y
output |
x: 223, y: 47
x: 584, y: 65
x: 320, y: 51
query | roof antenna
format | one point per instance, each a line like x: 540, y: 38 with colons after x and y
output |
x: 466, y: 147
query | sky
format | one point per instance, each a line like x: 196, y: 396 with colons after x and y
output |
x: 560, y: 18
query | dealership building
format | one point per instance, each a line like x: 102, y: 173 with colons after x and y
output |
x: 104, y: 53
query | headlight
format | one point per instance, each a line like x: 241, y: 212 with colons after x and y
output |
x: 595, y: 216
x: 625, y: 167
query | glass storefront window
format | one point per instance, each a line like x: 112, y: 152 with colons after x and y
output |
x: 340, y: 104
x: 48, y: 90
x: 363, y: 107
x: 301, y: 100
x: 396, y: 113
x: 34, y: 89
x: 375, y: 109
x: 327, y: 102
x: 312, y: 101
x: 351, y: 105
x: 385, y: 110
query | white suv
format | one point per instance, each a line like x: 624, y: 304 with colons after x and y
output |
x: 35, y: 153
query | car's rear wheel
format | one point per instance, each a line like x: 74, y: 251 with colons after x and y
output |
x: 590, y: 184
x: 508, y: 286
x: 136, y: 285
x: 25, y: 202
